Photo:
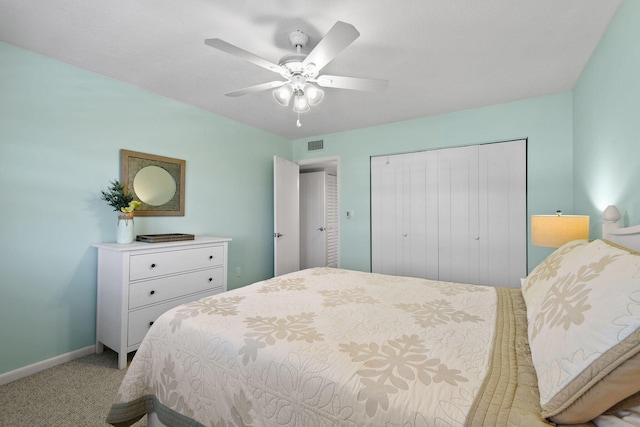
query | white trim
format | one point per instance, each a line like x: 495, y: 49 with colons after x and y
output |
x: 635, y: 229
x: 628, y: 236
x: 25, y: 371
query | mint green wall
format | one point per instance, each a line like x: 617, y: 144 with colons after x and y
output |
x: 607, y: 123
x: 545, y: 121
x: 61, y: 129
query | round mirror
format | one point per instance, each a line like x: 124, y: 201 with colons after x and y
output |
x: 154, y: 185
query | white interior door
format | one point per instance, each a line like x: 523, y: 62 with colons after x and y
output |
x: 313, y: 223
x: 286, y: 216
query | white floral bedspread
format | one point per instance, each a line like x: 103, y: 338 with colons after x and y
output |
x: 319, y: 347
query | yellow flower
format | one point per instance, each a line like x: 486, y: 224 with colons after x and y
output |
x: 132, y: 206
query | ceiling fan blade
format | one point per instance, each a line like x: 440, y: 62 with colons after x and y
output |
x: 243, y: 54
x: 335, y: 41
x: 255, y: 89
x: 353, y: 83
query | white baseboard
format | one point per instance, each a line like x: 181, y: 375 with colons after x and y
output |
x: 25, y: 371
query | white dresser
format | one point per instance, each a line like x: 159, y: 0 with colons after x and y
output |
x: 140, y: 281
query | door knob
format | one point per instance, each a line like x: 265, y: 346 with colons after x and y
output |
x: 321, y: 229
x: 277, y: 235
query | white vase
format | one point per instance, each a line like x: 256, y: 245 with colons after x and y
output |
x: 125, y: 228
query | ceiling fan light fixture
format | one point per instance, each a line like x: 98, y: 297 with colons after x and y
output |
x: 299, y: 69
x: 314, y: 94
x: 283, y: 94
x: 300, y: 103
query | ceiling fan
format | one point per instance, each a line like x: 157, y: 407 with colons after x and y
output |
x: 300, y: 71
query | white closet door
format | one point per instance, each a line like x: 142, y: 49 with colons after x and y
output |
x: 503, y: 213
x: 420, y: 215
x: 458, y: 214
x: 404, y: 212
x: 386, y: 215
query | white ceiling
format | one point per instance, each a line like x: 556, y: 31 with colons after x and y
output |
x: 438, y: 55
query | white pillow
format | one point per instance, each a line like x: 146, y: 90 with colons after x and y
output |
x: 537, y: 283
x: 583, y: 312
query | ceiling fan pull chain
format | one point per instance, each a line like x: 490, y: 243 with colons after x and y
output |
x: 298, y: 121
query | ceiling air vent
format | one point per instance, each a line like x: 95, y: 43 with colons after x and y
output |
x: 315, y: 145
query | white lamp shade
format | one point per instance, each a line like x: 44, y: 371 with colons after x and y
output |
x: 611, y: 214
x: 283, y: 94
x: 300, y: 104
x: 553, y: 231
x: 314, y: 94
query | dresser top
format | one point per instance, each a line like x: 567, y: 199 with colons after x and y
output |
x: 135, y: 246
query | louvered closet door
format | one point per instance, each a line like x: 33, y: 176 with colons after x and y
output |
x: 333, y: 238
x: 458, y: 220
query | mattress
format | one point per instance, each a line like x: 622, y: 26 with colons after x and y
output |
x: 333, y: 347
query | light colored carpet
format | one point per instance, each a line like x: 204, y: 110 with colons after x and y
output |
x: 77, y: 393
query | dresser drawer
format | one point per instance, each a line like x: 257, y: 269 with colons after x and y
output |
x: 141, y: 320
x: 170, y: 262
x: 164, y: 288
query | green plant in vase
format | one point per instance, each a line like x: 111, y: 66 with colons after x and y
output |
x: 120, y: 200
x: 123, y: 203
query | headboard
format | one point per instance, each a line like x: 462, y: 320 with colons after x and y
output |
x: 627, y: 236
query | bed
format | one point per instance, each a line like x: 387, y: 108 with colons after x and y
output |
x: 333, y: 347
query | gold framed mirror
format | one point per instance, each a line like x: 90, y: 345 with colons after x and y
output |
x: 158, y: 182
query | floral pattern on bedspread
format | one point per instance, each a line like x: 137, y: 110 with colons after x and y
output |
x: 334, y: 297
x: 321, y: 347
x: 394, y: 364
x: 265, y: 331
x: 433, y: 313
x: 278, y: 284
